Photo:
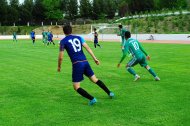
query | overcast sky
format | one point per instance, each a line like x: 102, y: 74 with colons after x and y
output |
x: 21, y: 1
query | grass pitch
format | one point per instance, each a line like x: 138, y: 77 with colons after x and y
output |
x: 33, y: 93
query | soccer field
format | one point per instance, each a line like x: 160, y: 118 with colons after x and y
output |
x: 32, y: 92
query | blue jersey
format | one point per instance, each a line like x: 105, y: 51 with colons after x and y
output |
x: 50, y: 36
x: 73, y: 46
x: 32, y: 34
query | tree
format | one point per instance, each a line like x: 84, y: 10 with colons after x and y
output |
x: 72, y: 9
x: 142, y: 5
x: 14, y: 3
x: 25, y: 15
x: 52, y: 8
x: 85, y: 8
x: 98, y: 9
x: 26, y: 10
x: 13, y: 11
x: 123, y: 8
x: 111, y: 8
x: 3, y: 11
x: 95, y: 9
x: 39, y: 10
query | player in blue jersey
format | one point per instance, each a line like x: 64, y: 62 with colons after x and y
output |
x: 32, y: 36
x: 96, y: 39
x: 73, y: 45
x: 50, y: 38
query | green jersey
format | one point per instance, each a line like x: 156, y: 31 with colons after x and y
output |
x: 44, y: 34
x: 134, y: 47
x: 14, y: 34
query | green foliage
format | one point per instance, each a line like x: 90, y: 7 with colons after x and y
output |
x: 36, y: 11
x: 3, y: 11
x: 52, y: 10
x: 39, y: 10
x: 72, y: 9
x: 85, y: 8
x: 21, y: 30
x: 165, y: 26
x: 161, y: 24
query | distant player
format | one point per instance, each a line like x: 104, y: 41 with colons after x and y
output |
x: 32, y: 35
x: 14, y: 36
x: 122, y: 34
x: 96, y: 38
x: 188, y: 36
x: 44, y: 37
x: 73, y: 45
x: 137, y: 51
x: 50, y: 38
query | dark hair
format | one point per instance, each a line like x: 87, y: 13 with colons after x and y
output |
x: 120, y: 26
x: 67, y: 29
x: 94, y: 29
x: 127, y: 34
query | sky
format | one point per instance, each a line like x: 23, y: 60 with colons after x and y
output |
x: 21, y: 1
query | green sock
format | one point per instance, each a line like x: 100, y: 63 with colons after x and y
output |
x: 151, y: 71
x: 131, y: 71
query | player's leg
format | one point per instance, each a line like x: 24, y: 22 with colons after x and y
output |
x: 151, y: 71
x: 53, y: 42
x: 101, y: 84
x: 99, y: 45
x: 81, y: 91
x: 95, y: 45
x: 129, y: 68
x: 33, y: 40
x: 89, y: 73
x: 77, y: 77
x: 144, y: 64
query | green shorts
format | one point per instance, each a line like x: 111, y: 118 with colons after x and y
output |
x: 134, y: 61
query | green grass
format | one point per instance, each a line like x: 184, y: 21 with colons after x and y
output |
x: 33, y: 93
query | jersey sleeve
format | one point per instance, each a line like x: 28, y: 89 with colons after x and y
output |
x: 61, y: 47
x: 82, y: 40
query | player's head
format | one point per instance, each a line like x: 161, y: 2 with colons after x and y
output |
x: 120, y: 26
x: 67, y: 29
x: 94, y: 29
x: 127, y: 34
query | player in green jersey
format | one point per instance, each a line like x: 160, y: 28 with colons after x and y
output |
x: 138, y: 53
x: 44, y: 37
x: 122, y: 34
x: 14, y: 36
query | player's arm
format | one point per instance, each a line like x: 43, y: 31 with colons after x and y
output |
x: 119, y: 33
x: 142, y: 49
x: 88, y: 49
x: 60, y: 59
x: 123, y: 56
